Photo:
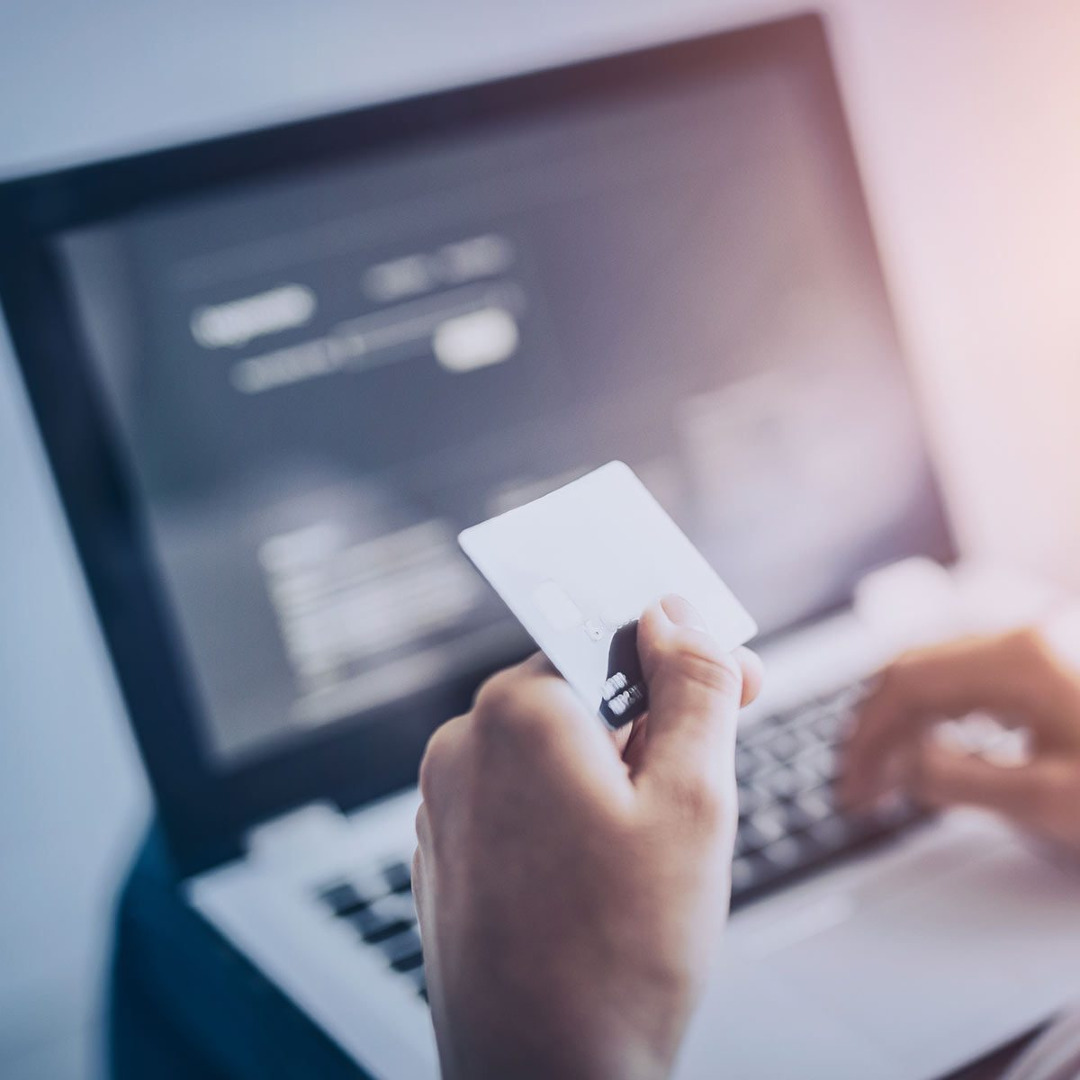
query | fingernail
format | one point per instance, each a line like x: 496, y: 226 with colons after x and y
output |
x: 681, y: 612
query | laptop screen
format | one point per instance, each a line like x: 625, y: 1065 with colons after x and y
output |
x: 317, y: 378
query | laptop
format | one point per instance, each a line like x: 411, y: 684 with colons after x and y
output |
x: 276, y: 373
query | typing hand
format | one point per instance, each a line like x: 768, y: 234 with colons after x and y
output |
x: 1016, y: 677
x: 569, y: 890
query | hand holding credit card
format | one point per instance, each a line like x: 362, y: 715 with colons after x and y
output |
x: 579, y: 565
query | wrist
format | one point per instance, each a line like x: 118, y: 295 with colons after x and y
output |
x: 567, y: 1030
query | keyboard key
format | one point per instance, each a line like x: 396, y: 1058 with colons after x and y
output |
x: 806, y: 778
x: 403, y: 944
x: 746, y: 762
x: 782, y: 782
x: 783, y: 853
x: 401, y: 949
x: 751, y: 800
x: 826, y: 725
x: 800, y: 741
x: 768, y: 825
x: 372, y: 928
x: 398, y: 876
x: 797, y: 818
x: 759, y: 733
x: 808, y: 808
x: 384, y: 918
x: 744, y: 874
x: 408, y: 963
x: 820, y: 760
x: 785, y: 746
x: 848, y: 698
x: 343, y: 898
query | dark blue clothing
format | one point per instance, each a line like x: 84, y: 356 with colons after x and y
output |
x: 183, y: 1004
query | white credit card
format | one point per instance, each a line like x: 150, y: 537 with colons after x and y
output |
x: 580, y: 565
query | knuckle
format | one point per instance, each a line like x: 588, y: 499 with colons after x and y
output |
x: 498, y: 698
x: 884, y: 685
x: 1027, y: 642
x: 420, y: 826
x: 511, y: 708
x: 699, y: 660
x: 901, y: 679
x: 901, y: 671
x: 1033, y: 663
x: 431, y: 763
x: 536, y: 731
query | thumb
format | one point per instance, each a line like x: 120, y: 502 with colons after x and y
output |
x: 695, y: 690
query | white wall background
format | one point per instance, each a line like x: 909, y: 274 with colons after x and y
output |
x: 967, y: 116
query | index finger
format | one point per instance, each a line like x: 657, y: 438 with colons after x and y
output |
x: 530, y: 712
x: 1011, y: 674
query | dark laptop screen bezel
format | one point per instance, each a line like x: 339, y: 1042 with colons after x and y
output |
x: 206, y: 811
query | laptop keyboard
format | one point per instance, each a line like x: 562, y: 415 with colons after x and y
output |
x: 380, y: 908
x: 789, y: 825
